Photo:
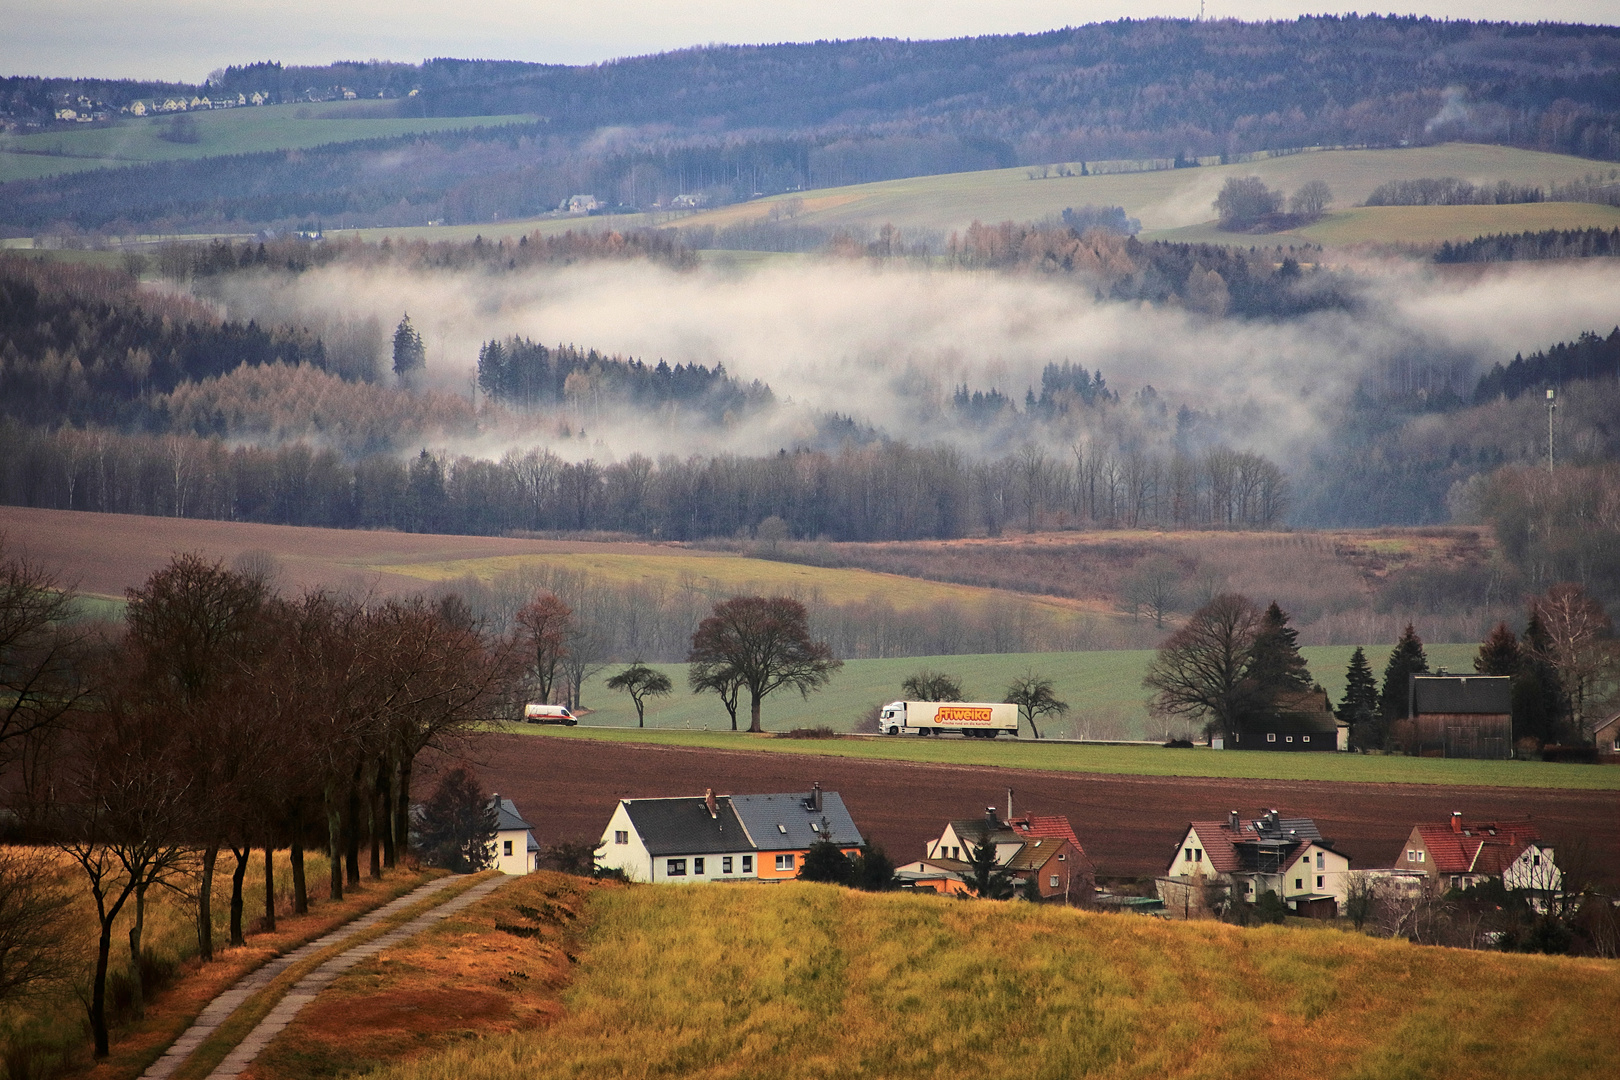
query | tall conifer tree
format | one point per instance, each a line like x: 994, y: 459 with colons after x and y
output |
x: 1498, y: 653
x: 1275, y: 663
x: 1359, y: 706
x: 1405, y: 660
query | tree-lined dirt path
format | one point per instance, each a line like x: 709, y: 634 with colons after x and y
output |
x: 1129, y: 825
x: 222, y: 1007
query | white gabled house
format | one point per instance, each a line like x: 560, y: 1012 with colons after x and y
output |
x: 515, y: 850
x: 723, y: 837
x: 1287, y: 856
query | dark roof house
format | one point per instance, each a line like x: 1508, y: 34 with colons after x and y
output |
x: 1462, y: 716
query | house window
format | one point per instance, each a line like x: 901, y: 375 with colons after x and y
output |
x: 675, y: 868
x: 1271, y: 736
x: 1298, y: 884
x: 748, y: 864
x: 1198, y: 854
x: 1420, y: 856
x: 784, y: 862
x: 1304, y: 738
x: 956, y: 853
x: 621, y: 836
x: 1319, y: 860
x: 1411, y: 855
x: 1052, y: 881
x: 697, y: 866
x: 725, y: 865
x: 1290, y: 738
x: 1186, y: 855
x: 1535, y: 860
x: 506, y: 847
x: 1319, y: 882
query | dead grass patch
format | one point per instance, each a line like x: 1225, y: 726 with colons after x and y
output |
x: 497, y: 967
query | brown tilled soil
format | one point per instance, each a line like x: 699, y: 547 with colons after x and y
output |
x: 1129, y: 825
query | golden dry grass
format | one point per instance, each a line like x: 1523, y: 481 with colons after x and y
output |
x: 814, y: 981
x: 55, y: 1023
x: 469, y: 975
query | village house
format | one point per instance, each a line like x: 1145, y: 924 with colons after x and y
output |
x: 514, y: 850
x: 1301, y: 721
x: 1287, y: 856
x: 1606, y: 736
x: 1459, y: 853
x: 724, y: 837
x: 1041, y: 847
x: 1457, y: 716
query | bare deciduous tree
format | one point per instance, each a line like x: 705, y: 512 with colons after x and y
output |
x: 766, y: 642
x: 1201, y: 670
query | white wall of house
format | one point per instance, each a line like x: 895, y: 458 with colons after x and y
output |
x: 1318, y: 872
x: 951, y: 846
x: 1534, y: 869
x: 622, y: 848
x: 698, y: 869
x: 1191, y: 858
x: 512, y: 854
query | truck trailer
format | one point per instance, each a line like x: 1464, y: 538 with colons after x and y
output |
x: 974, y: 719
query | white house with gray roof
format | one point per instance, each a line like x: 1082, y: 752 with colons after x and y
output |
x: 515, y: 848
x: 723, y: 837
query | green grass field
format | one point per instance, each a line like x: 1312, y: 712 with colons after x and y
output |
x: 227, y: 131
x: 801, y: 981
x: 1415, y: 224
x: 1104, y: 690
x: 1026, y: 753
x: 1165, y: 200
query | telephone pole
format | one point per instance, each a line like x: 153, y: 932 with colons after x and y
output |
x: 1552, y: 407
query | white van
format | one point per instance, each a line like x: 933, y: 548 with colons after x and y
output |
x: 548, y: 714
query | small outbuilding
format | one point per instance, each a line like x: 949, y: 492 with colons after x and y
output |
x: 515, y: 849
x: 1301, y: 721
x: 1458, y: 716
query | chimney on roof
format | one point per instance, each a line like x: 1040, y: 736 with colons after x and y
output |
x: 495, y: 797
x: 1233, y: 823
x: 1009, y: 804
x: 990, y: 817
x: 1274, y: 819
x: 815, y: 796
x: 1456, y: 821
x: 709, y: 803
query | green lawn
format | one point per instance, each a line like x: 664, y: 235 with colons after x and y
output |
x: 1104, y: 690
x: 1026, y: 753
x: 226, y: 131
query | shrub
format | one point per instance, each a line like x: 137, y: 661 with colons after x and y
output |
x: 820, y: 732
x: 1270, y: 908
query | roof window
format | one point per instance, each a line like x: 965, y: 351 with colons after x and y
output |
x: 781, y: 828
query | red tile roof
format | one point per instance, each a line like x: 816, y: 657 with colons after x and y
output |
x: 1040, y: 826
x: 1480, y: 847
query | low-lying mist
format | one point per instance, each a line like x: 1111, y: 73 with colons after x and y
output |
x: 886, y: 343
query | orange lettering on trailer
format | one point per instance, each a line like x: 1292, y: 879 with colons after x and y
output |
x: 955, y: 714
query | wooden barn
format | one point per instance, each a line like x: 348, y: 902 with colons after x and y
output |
x: 1458, y: 716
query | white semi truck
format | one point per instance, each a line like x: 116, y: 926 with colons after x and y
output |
x: 974, y: 719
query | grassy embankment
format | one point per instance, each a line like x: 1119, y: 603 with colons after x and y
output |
x: 229, y: 131
x: 49, y: 1033
x: 815, y: 981
x: 1104, y: 690
x: 1169, y: 199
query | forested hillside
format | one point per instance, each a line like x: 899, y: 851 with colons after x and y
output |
x: 722, y: 123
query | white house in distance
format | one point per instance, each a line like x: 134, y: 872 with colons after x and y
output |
x: 724, y: 837
x: 515, y: 849
x: 1285, y: 855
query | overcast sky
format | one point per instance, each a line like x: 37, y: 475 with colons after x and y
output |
x: 186, y: 39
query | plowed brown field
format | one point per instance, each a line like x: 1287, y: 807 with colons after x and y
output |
x: 1129, y: 825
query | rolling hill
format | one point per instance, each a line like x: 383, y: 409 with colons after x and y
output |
x: 815, y: 981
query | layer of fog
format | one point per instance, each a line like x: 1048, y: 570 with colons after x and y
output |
x: 886, y: 344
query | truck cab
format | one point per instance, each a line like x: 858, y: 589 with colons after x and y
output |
x: 892, y: 721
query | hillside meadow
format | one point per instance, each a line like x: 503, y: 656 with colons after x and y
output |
x: 1103, y: 689
x: 1163, y: 199
x: 218, y: 132
x: 815, y: 981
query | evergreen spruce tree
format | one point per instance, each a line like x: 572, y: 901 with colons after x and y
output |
x: 410, y: 356
x: 1405, y: 660
x: 1359, y: 707
x: 1275, y: 663
x: 1539, y: 702
x: 1498, y: 653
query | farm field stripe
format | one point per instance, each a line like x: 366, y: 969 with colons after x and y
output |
x: 221, y: 1008
x: 1129, y: 760
x: 305, y: 990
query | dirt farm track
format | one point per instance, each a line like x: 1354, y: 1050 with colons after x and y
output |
x: 567, y: 788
